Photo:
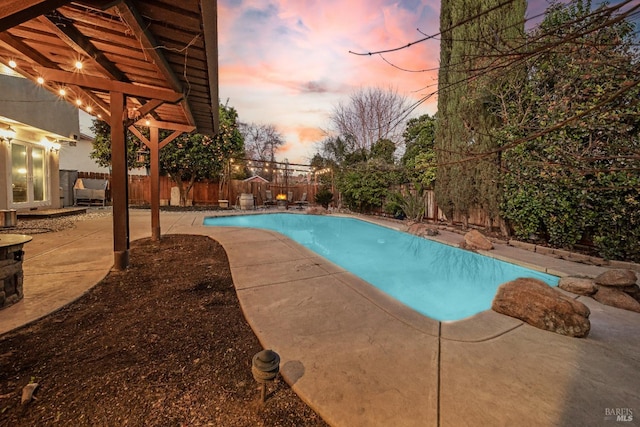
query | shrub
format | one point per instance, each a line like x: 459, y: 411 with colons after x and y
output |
x: 324, y: 197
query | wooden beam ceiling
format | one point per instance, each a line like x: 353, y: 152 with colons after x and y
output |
x: 152, y: 49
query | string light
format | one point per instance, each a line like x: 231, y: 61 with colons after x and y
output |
x: 12, y: 63
x: 78, y: 65
x: 40, y: 80
x: 62, y: 92
x: 78, y: 102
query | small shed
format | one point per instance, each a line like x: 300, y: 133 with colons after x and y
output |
x: 257, y: 179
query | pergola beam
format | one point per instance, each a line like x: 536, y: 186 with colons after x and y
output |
x: 15, y: 12
x: 155, y: 145
x: 106, y: 85
x: 133, y: 19
x: 210, y: 29
x: 166, y: 125
x: 119, y: 181
x: 68, y: 33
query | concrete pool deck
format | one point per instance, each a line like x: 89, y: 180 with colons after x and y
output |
x: 361, y: 359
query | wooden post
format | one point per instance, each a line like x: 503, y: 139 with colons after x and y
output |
x: 155, y: 183
x: 119, y: 182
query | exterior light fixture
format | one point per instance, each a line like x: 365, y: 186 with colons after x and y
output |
x: 78, y: 102
x: 8, y: 133
x: 12, y: 63
x: 62, y: 92
x: 89, y: 109
x: 40, y: 80
x: 265, y: 367
x: 78, y: 65
x: 51, y: 143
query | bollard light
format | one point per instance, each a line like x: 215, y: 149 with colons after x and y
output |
x: 265, y: 367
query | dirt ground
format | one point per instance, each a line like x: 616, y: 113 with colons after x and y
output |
x: 163, y: 343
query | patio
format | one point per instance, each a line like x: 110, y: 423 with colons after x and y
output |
x: 358, y: 357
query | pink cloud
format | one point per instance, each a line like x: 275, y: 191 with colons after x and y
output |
x: 288, y: 63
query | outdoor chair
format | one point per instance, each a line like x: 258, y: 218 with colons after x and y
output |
x: 303, y: 201
x: 268, y: 199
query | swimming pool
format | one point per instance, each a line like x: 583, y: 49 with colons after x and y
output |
x: 437, y: 280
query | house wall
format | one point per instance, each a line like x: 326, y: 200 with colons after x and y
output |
x: 78, y: 157
x: 27, y: 103
x: 40, y: 120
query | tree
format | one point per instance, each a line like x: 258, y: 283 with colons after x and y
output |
x: 261, y: 143
x: 419, y: 158
x: 101, y: 151
x: 473, y: 32
x: 366, y: 185
x: 383, y: 150
x: 577, y: 177
x: 187, y: 158
x: 372, y: 114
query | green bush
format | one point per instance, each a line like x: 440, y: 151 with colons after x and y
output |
x: 324, y: 197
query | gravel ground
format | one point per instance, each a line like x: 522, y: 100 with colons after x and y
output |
x: 48, y: 225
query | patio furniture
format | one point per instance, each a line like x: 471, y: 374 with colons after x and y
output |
x: 90, y: 191
x: 302, y: 202
x: 268, y: 199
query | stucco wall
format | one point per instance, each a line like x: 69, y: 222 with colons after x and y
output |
x: 30, y: 104
x: 77, y: 158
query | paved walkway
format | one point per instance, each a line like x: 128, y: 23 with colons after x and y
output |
x: 361, y: 359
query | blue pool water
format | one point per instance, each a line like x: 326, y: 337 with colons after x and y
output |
x: 437, y: 280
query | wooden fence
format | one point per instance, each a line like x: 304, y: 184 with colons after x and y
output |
x: 208, y: 193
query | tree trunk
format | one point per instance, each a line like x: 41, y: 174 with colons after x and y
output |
x: 183, y: 197
x: 179, y: 183
x: 504, y: 228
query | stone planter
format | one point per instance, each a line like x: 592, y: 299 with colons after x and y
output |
x: 11, y: 256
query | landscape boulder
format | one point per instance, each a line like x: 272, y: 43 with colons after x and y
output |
x: 420, y: 229
x: 615, y: 297
x: 476, y: 240
x: 542, y: 306
x: 617, y: 277
x: 578, y: 285
x: 317, y: 210
x: 633, y: 291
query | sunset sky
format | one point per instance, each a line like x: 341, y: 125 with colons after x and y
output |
x: 287, y: 62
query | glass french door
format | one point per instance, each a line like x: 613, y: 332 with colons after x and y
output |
x: 28, y: 174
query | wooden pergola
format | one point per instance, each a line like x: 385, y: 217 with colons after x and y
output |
x: 131, y: 63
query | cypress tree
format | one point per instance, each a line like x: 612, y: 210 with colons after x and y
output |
x: 467, y: 177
